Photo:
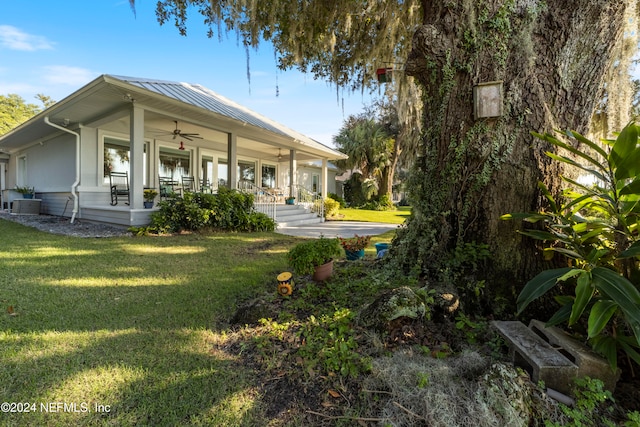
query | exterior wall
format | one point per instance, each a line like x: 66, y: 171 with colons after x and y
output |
x: 50, y: 166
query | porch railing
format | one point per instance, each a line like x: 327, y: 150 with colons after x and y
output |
x: 311, y: 200
x: 263, y: 200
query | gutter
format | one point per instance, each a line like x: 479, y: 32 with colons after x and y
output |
x: 74, y: 186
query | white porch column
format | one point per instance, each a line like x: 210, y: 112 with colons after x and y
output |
x: 136, y: 162
x: 324, y: 178
x: 293, y: 173
x: 232, y: 162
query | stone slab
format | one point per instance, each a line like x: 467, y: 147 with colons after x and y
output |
x: 589, y: 362
x: 529, y: 351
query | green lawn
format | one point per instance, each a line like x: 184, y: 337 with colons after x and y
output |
x: 391, y: 217
x: 123, y: 331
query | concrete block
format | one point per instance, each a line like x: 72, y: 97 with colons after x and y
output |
x: 588, y: 362
x: 530, y: 352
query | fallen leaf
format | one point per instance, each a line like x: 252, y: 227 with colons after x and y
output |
x: 334, y: 393
x: 10, y: 309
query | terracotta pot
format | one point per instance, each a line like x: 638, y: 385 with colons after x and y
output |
x: 323, y: 272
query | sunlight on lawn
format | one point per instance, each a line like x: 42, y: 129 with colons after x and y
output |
x: 131, y: 324
x: 115, y: 282
x: 137, y: 377
x: 169, y: 250
x: 45, y: 252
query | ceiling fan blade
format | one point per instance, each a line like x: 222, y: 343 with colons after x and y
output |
x: 186, y: 136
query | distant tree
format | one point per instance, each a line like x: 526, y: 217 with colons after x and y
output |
x: 370, y: 149
x: 14, y: 110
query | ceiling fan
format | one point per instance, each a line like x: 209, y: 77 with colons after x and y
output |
x: 190, y: 136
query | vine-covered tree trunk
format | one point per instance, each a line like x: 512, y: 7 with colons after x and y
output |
x: 551, y: 58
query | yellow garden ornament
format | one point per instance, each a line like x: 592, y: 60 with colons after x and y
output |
x: 285, y: 284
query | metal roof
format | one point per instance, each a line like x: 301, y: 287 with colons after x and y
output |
x: 202, y: 97
x: 110, y: 95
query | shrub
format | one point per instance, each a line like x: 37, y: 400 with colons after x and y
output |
x: 228, y: 210
x: 603, y: 250
x: 382, y: 203
x: 331, y: 207
x: 306, y: 256
x: 340, y: 200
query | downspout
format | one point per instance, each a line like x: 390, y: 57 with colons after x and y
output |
x: 74, y: 186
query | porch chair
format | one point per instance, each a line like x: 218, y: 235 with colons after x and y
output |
x: 167, y: 188
x: 205, y: 186
x: 188, y: 184
x: 119, y: 185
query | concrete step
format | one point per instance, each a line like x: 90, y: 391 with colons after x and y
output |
x: 291, y: 216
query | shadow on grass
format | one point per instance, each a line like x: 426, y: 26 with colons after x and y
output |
x: 130, y: 324
x: 139, y: 378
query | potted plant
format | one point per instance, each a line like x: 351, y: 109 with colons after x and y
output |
x: 27, y: 192
x: 290, y: 200
x: 354, y: 246
x: 149, y: 196
x: 314, y: 257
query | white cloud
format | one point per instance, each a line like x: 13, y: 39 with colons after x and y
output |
x: 14, y: 39
x: 65, y: 75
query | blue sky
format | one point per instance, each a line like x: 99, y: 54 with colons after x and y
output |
x: 56, y: 47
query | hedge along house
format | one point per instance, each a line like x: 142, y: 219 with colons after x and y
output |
x: 153, y: 130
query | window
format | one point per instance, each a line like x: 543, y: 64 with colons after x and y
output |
x: 246, y: 171
x: 174, y: 163
x: 268, y: 176
x: 315, y: 183
x: 223, y: 171
x: 116, y: 158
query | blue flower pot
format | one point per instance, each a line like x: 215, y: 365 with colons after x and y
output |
x: 381, y: 247
x: 354, y: 255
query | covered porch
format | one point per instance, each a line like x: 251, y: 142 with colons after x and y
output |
x: 158, y: 132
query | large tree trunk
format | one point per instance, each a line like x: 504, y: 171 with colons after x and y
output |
x: 551, y: 60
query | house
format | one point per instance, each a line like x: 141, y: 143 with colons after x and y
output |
x: 153, y: 130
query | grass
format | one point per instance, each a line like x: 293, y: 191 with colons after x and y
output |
x: 123, y: 331
x: 390, y: 217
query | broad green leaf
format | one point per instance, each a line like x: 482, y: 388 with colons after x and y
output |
x: 578, y: 153
x: 567, y: 252
x: 571, y: 273
x: 539, y: 285
x: 584, y: 293
x: 539, y: 234
x: 625, y: 144
x: 529, y: 217
x: 630, y: 166
x: 600, y: 315
x: 562, y: 315
x: 628, y: 346
x: 594, y: 145
x: 633, y: 250
x: 607, y: 346
x: 632, y: 188
x: 572, y: 162
x: 622, y: 292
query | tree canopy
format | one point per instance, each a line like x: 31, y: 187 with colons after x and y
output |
x: 549, y: 60
x: 14, y: 110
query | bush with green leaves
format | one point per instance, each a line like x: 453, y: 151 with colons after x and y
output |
x: 330, y: 345
x: 306, y: 256
x: 595, y: 226
x: 227, y: 210
x: 331, y: 207
x: 340, y: 200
